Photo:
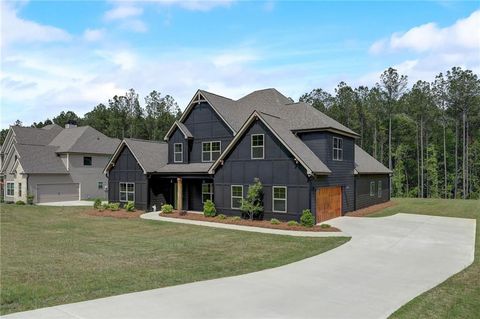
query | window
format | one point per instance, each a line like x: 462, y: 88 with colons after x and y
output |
x: 210, y: 151
x: 258, y: 146
x: 178, y: 152
x: 100, y: 185
x: 207, y: 192
x: 237, y: 196
x: 19, y: 189
x: 379, y: 189
x: 10, y: 188
x: 372, y: 188
x: 87, y: 161
x: 337, y: 149
x: 127, y: 192
x: 279, y: 199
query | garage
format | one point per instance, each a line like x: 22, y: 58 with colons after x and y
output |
x: 328, y: 203
x: 58, y: 192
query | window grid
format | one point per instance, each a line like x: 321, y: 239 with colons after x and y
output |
x: 127, y: 192
x: 379, y: 189
x: 372, y: 188
x: 100, y: 185
x: 178, y: 152
x: 236, y: 196
x: 207, y: 192
x: 19, y: 189
x: 257, y: 146
x: 279, y: 199
x: 211, y: 151
x: 337, y: 149
x: 10, y: 189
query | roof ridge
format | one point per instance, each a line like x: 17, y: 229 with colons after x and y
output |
x: 201, y: 90
x: 143, y: 140
x: 265, y: 113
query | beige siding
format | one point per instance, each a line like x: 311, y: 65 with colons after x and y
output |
x: 89, y: 176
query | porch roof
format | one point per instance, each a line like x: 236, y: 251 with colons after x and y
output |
x: 192, y: 168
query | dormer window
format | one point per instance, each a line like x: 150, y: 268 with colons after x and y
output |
x: 337, y: 149
x: 178, y: 152
x: 210, y: 151
x: 258, y: 146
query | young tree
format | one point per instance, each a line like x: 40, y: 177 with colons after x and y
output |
x: 253, y: 204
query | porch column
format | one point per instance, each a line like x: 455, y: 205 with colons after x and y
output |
x: 179, y: 194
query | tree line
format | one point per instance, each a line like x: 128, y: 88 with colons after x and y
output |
x: 428, y: 135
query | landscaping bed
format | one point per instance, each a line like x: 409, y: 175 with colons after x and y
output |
x: 246, y: 222
x: 115, y: 214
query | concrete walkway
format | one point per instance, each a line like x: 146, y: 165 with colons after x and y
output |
x: 387, y: 262
x: 155, y: 216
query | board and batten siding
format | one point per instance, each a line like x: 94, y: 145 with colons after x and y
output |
x: 321, y: 143
x: 362, y: 190
x: 205, y: 125
x: 127, y: 169
x: 277, y: 169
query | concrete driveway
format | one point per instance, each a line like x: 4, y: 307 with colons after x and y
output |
x: 69, y: 203
x: 388, y: 262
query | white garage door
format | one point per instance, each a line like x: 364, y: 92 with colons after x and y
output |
x: 57, y: 192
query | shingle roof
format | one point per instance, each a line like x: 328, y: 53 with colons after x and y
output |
x: 367, y: 164
x: 84, y: 139
x: 35, y: 136
x: 40, y: 159
x: 151, y: 155
x: 199, y: 168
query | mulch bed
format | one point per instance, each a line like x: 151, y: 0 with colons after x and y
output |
x: 115, y: 214
x: 371, y: 209
x: 246, y: 222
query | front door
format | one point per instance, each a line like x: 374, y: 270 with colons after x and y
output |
x: 328, y: 203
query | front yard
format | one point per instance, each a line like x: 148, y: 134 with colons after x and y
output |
x: 56, y: 255
x: 458, y: 296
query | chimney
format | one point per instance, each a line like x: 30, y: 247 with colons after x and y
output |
x: 71, y: 124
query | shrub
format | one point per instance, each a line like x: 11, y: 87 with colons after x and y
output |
x: 307, y: 218
x: 105, y: 206
x: 2, y: 199
x: 20, y: 202
x: 274, y: 221
x: 325, y: 226
x: 97, y: 203
x: 114, y: 206
x: 30, y: 199
x: 130, y: 206
x: 209, y: 209
x: 236, y: 218
x: 221, y: 216
x: 167, y: 209
x: 252, y: 205
x: 293, y: 223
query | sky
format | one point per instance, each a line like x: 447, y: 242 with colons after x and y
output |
x: 72, y: 55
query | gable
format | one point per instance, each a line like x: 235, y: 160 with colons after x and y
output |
x: 204, y: 122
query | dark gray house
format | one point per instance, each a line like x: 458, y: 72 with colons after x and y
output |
x: 303, y: 158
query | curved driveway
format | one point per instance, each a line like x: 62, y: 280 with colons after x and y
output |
x: 388, y: 262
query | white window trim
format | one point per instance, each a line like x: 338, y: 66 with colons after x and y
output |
x: 231, y: 196
x: 273, y: 199
x: 379, y: 189
x: 337, y: 148
x: 372, y: 188
x: 126, y: 192
x: 211, y: 152
x: 6, y: 189
x: 211, y: 191
x: 251, y: 147
x: 175, y: 153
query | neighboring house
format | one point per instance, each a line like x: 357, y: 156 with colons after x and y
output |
x: 304, y: 159
x: 54, y: 163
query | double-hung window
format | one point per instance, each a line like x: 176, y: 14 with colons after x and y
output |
x: 207, y: 192
x: 372, y: 188
x: 127, y: 192
x: 100, y: 185
x: 210, y: 151
x: 279, y: 195
x: 178, y: 152
x: 258, y: 146
x: 379, y: 189
x: 337, y: 149
x: 10, y: 188
x: 237, y: 196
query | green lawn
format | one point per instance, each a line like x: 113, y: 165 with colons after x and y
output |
x: 56, y: 255
x: 458, y: 296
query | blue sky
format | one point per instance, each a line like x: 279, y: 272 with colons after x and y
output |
x: 73, y: 55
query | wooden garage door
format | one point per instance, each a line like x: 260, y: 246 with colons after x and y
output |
x: 57, y: 192
x: 329, y: 203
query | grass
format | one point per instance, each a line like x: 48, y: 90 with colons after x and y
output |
x: 56, y: 255
x: 458, y: 296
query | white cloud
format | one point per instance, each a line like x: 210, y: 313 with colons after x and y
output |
x: 93, y: 34
x: 123, y: 11
x: 229, y: 59
x: 197, y: 5
x: 17, y: 30
x: 464, y: 34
